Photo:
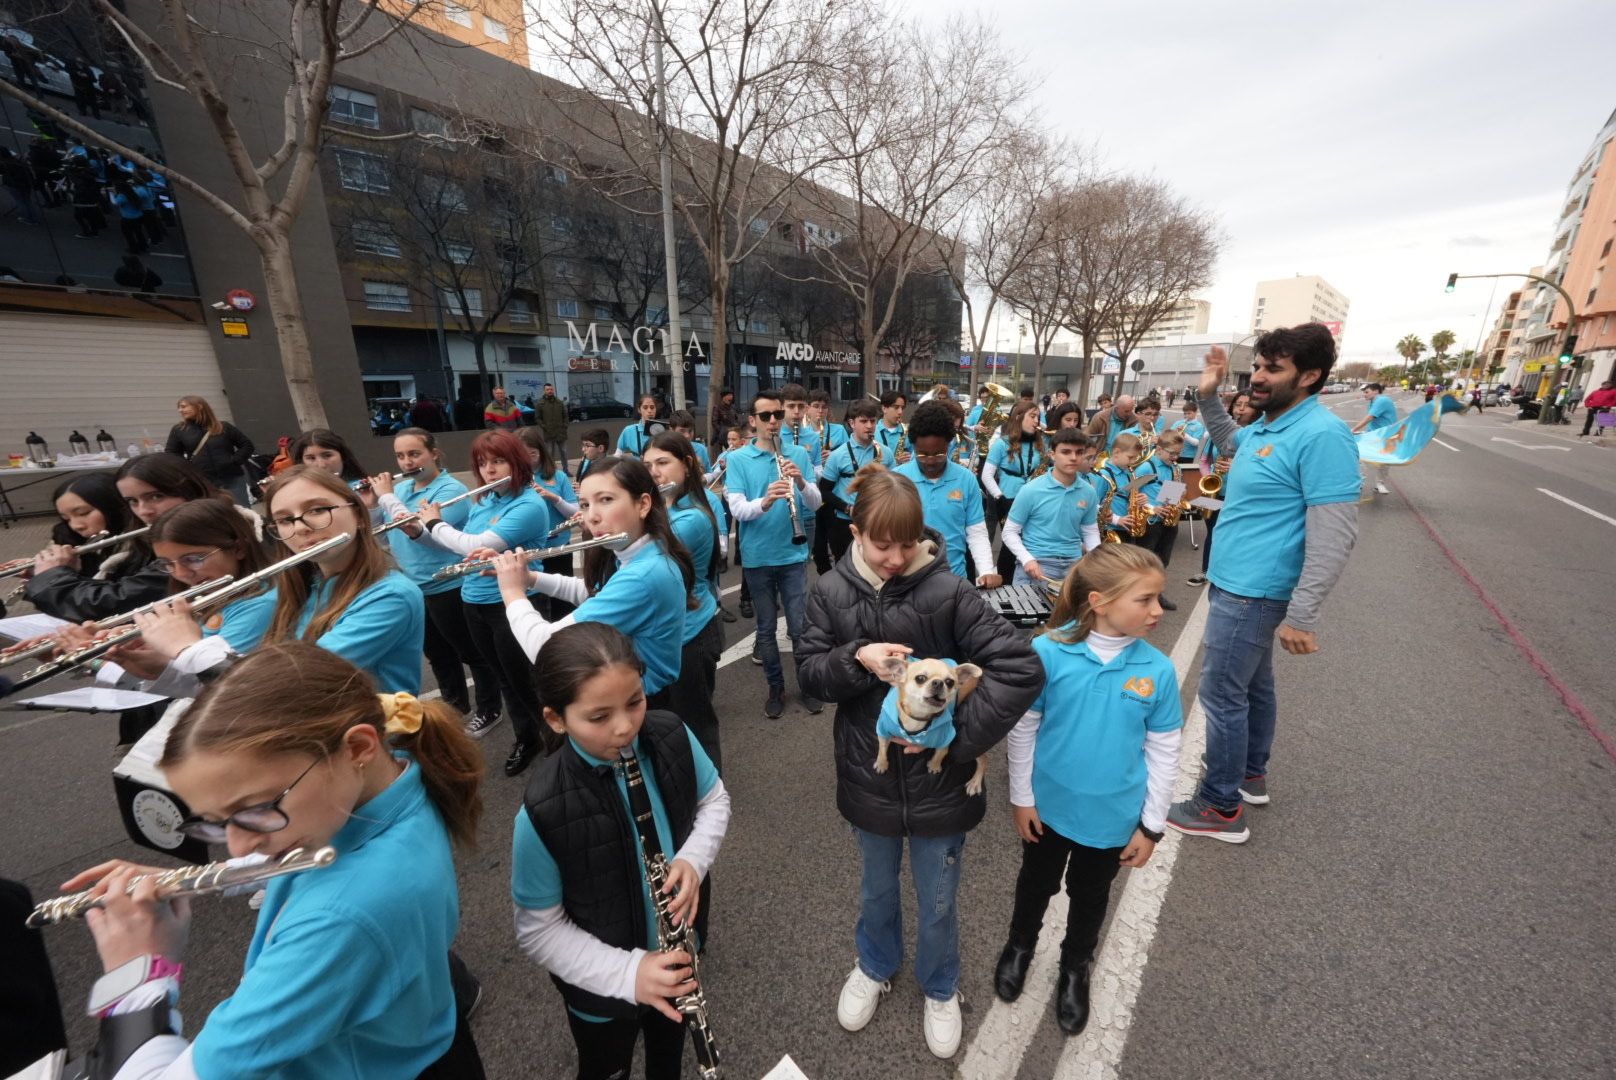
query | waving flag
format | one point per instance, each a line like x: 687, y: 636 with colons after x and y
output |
x: 1402, y: 442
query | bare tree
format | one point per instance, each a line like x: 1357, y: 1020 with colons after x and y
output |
x: 198, y: 48
x: 738, y: 74
x: 1170, y: 255
x: 1006, y: 226
x: 913, y: 130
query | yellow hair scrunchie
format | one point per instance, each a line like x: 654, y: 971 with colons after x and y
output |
x: 404, y: 713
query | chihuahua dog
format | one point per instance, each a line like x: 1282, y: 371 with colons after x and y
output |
x: 920, y: 709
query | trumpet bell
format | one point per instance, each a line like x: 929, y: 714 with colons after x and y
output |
x: 1210, y: 485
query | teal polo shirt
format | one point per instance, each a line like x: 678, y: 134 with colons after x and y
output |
x: 347, y: 975
x: 1088, y: 771
x: 1192, y: 429
x: 1382, y: 412
x: 420, y: 559
x: 890, y: 437
x: 1307, y: 457
x: 695, y: 531
x: 645, y: 599
x: 381, y: 630
x: 560, y: 483
x: 844, y: 464
x: 805, y: 437
x: 535, y: 877
x: 1012, y: 468
x: 521, y: 520
x: 767, y: 539
x: 1117, y: 428
x: 951, y: 504
x: 1052, y: 515
x: 245, y: 622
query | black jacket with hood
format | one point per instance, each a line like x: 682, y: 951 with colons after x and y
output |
x: 937, y: 614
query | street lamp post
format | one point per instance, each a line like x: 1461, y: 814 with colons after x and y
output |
x: 1545, y: 414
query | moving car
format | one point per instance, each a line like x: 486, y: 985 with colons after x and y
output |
x: 599, y: 408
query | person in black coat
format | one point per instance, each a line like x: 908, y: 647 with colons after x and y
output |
x: 217, y: 448
x: 893, y: 595
x: 98, y: 584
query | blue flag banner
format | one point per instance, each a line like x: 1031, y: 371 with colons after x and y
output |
x: 1402, y: 442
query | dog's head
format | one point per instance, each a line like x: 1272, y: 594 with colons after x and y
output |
x: 927, y: 687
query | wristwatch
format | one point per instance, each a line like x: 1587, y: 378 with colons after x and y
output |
x: 123, y: 980
x: 1152, y: 835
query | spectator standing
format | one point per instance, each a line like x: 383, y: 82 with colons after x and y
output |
x: 218, y: 449
x: 1599, y: 401
x: 18, y: 180
x: 723, y: 418
x: 502, y: 412
x: 1110, y: 422
x: 552, y: 417
x: 427, y: 415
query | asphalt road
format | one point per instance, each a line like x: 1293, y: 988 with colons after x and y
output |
x: 1428, y: 895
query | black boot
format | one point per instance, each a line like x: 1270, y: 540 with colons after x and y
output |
x: 1072, y: 997
x: 1011, y: 974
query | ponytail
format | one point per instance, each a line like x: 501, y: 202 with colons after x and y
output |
x: 451, y: 762
x: 1109, y: 570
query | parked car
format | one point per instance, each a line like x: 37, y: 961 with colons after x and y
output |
x: 599, y: 408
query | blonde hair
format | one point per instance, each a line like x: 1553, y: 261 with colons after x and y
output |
x: 370, y: 562
x: 1128, y: 444
x: 1109, y: 570
x: 205, y: 417
x: 1171, y: 437
x: 887, y: 507
x: 296, y: 698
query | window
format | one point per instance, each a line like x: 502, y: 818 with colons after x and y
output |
x: 385, y: 296
x: 603, y: 311
x: 459, y: 254
x: 567, y: 309
x: 495, y: 30
x: 474, y: 301
x: 375, y: 237
x: 362, y: 171
x: 457, y: 14
x: 759, y: 227
x: 521, y: 312
x: 555, y: 174
x: 558, y: 224
x: 758, y: 326
x: 426, y: 123
x: 451, y: 196
x: 350, y: 106
x: 1604, y: 250
x: 656, y: 316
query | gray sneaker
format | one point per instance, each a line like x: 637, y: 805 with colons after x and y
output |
x: 1254, y: 790
x: 1196, y: 817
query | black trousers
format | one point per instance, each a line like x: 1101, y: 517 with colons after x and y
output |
x: 690, y: 696
x: 822, y: 527
x: 606, y: 1050
x: 1006, y: 565
x: 746, y: 590
x: 1588, y: 419
x: 449, y: 651
x: 557, y: 608
x: 1162, y: 538
x: 30, y: 1011
x: 491, y: 634
x: 461, y: 1061
x: 1206, y: 545
x: 1089, y: 873
x: 839, y: 536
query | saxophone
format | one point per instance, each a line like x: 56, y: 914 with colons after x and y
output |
x: 1171, y: 514
x: 903, y: 434
x: 1138, y: 518
x: 1103, y: 514
x: 673, y: 937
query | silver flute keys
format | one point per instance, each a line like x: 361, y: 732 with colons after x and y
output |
x: 189, y: 881
x: 798, y: 536
x: 615, y: 541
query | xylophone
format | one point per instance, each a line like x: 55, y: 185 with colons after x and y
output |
x: 1022, y: 605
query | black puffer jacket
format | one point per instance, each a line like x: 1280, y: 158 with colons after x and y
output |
x: 222, y: 459
x: 126, y: 580
x: 938, y: 615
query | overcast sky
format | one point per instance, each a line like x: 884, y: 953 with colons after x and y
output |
x: 1380, y: 145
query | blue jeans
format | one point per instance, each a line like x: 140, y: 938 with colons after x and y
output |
x: 1054, y: 570
x: 935, y: 863
x: 773, y: 588
x: 1237, y: 692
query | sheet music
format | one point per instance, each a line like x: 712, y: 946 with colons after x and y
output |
x: 1171, y: 492
x: 23, y: 627
x: 94, y: 699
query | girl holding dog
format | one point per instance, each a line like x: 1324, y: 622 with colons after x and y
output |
x: 1091, y: 763
x: 892, y: 597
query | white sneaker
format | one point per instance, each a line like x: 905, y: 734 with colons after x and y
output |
x: 943, y: 1024
x: 860, y: 995
x: 1382, y: 488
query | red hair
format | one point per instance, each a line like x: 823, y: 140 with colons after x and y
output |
x: 502, y: 444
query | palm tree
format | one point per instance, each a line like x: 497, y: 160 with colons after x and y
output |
x: 1441, y: 342
x: 1409, y: 349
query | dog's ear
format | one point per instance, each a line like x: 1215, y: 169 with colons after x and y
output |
x: 967, y: 676
x: 895, y: 667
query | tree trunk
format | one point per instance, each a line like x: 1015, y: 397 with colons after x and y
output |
x: 718, y: 358
x: 291, y: 331
x: 868, y: 360
x: 477, y: 343
x: 1083, y: 369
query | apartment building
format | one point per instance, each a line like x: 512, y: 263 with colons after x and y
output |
x: 1299, y: 299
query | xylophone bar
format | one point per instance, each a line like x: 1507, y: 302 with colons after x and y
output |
x: 1022, y: 605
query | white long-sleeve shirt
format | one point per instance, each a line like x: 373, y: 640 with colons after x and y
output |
x: 1018, y: 547
x: 580, y: 959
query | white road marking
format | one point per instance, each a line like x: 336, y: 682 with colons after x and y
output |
x: 743, y: 647
x: 1571, y: 502
x: 1450, y: 446
x: 1000, y: 1043
x: 1533, y: 446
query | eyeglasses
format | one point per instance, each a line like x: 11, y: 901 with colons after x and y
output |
x: 772, y: 414
x: 193, y: 561
x: 263, y: 818
x: 931, y: 457
x: 315, y: 518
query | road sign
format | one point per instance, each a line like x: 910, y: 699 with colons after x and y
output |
x: 1138, y: 363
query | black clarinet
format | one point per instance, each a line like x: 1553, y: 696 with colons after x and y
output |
x: 671, y: 937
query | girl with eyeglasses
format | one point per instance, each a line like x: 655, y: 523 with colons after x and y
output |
x: 349, y: 601
x: 505, y: 518
x: 449, y: 650
x: 348, y: 974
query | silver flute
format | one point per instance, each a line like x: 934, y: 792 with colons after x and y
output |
x: 189, y: 881
x: 406, y: 519
x: 798, y: 536
x: 102, y: 539
x: 8, y: 657
x: 219, y: 595
x: 364, y: 484
x: 577, y: 519
x: 615, y: 541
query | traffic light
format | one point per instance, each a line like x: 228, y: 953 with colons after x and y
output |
x: 1453, y: 279
x: 1569, y: 351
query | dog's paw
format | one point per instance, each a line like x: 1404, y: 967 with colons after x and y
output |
x: 973, y: 786
x: 881, y: 763
x: 935, y: 766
